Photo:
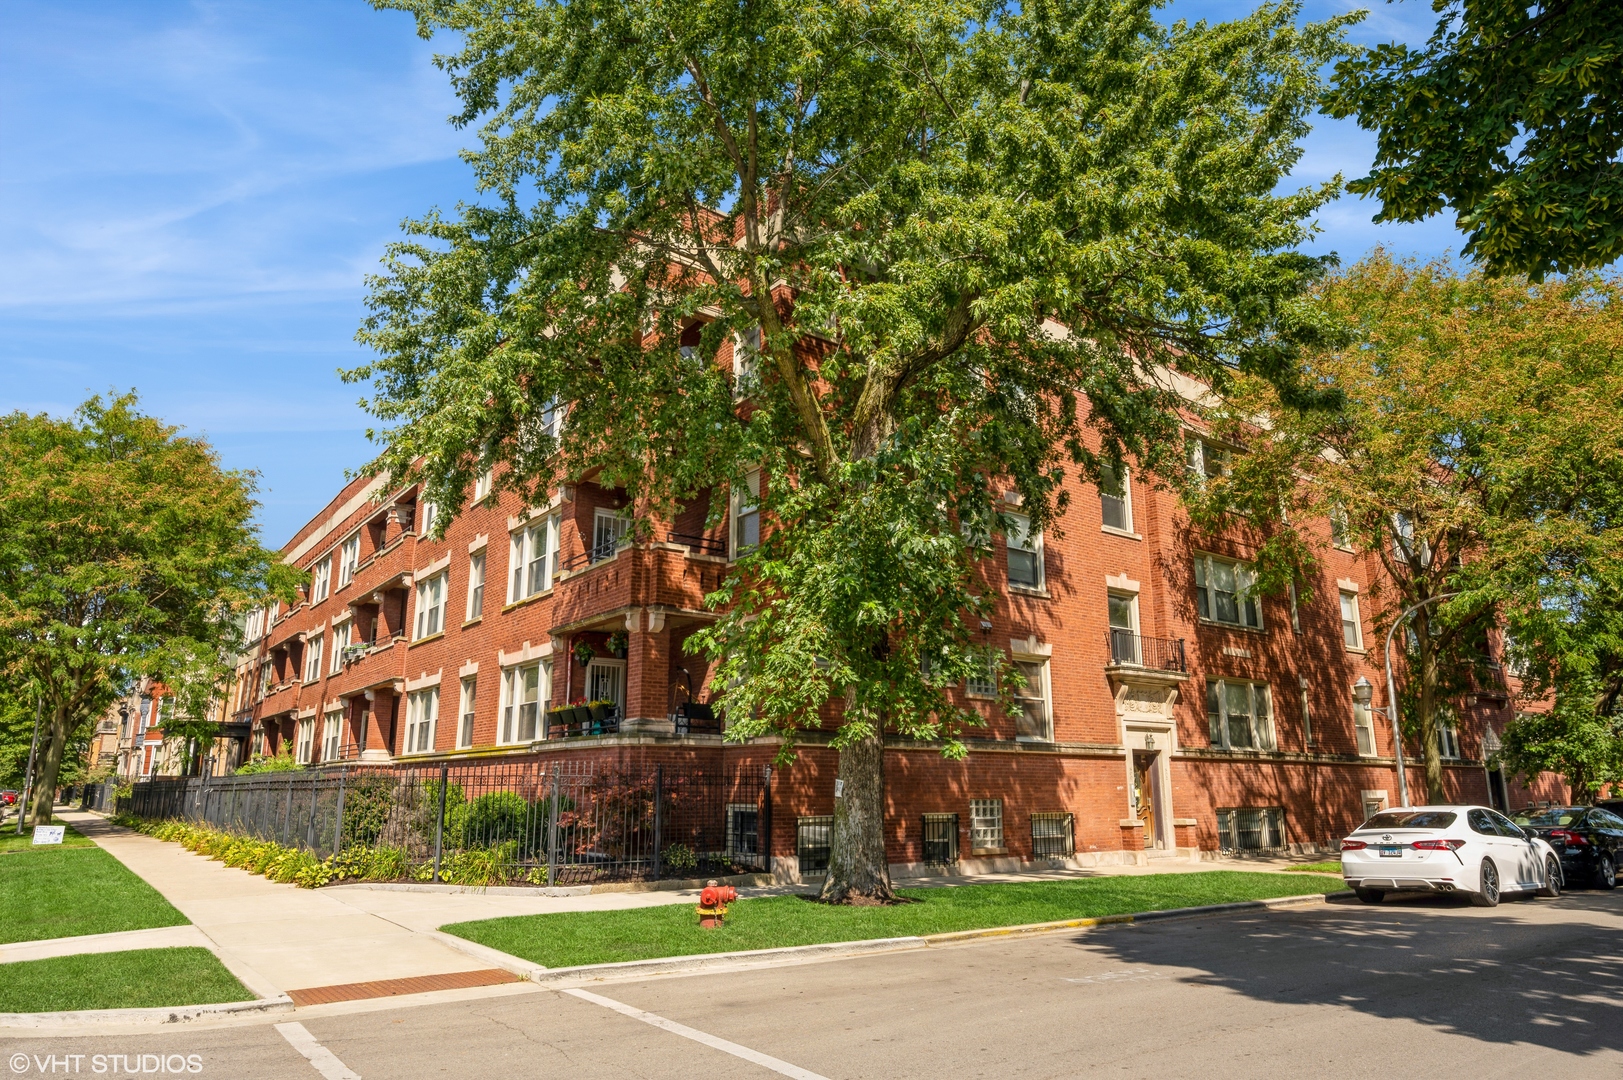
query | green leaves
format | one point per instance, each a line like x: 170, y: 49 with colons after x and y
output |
x: 1512, y: 115
x: 973, y: 240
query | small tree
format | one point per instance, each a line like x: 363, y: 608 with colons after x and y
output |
x: 951, y: 247
x: 1574, y: 740
x: 1477, y: 450
x: 124, y: 551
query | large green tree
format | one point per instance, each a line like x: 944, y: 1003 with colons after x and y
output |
x: 125, y: 550
x: 1476, y: 453
x: 958, y: 245
x: 1511, y: 115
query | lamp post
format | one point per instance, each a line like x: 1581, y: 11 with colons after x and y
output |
x: 1363, y: 692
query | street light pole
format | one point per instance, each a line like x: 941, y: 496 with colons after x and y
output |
x: 1391, y: 710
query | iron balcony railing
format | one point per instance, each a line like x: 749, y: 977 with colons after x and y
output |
x: 1128, y: 649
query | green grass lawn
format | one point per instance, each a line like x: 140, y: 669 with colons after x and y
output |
x: 10, y: 841
x: 56, y: 892
x: 1316, y: 868
x: 121, y: 980
x: 599, y: 937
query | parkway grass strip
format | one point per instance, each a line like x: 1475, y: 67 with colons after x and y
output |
x: 141, y: 978
x: 65, y: 892
x: 600, y: 937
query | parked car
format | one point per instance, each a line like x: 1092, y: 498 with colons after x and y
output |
x: 1614, y: 806
x: 1446, y: 849
x: 8, y: 798
x: 1588, y: 839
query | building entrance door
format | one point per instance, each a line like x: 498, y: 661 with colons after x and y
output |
x: 1144, y: 795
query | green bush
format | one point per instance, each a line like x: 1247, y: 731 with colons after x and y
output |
x: 497, y: 819
x: 259, y: 763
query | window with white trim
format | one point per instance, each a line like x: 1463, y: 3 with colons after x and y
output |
x: 1239, y: 714
x: 476, y: 585
x: 1364, y: 728
x: 341, y: 634
x: 983, y: 683
x: 1448, y: 734
x: 306, y: 741
x: 1352, y: 629
x: 312, y: 658
x: 1122, y: 615
x: 533, y: 556
x: 609, y: 527
x: 483, y: 484
x: 320, y: 580
x: 1205, y: 459
x: 253, y: 626
x: 985, y: 826
x: 1025, y: 552
x: 430, y: 606
x: 1116, y: 499
x: 746, y: 359
x: 525, y: 689
x: 1340, y: 528
x: 349, y: 559
x: 431, y: 513
x: 464, y: 731
x: 746, y: 530
x: 1223, y: 592
x: 1035, y: 719
x: 422, y: 710
x: 552, y: 417
x: 332, y: 729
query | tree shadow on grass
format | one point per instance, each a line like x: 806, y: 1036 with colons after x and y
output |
x: 1494, y: 975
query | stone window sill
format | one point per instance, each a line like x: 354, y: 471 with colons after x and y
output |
x: 1123, y: 533
x: 426, y: 640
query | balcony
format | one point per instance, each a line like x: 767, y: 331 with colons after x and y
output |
x: 1130, y: 652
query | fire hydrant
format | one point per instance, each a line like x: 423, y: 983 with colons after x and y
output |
x: 713, y: 901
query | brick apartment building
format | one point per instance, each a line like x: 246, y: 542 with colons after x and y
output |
x: 1165, y: 714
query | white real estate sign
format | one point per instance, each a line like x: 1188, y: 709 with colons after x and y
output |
x: 48, y: 834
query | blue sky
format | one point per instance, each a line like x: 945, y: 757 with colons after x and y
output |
x: 191, y: 194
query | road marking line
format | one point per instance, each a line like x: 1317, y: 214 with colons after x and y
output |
x: 325, y: 1061
x: 765, y: 1061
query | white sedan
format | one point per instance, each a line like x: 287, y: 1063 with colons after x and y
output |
x: 1468, y: 849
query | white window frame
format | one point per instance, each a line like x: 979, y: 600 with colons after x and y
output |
x: 1038, y: 691
x: 1206, y: 566
x: 349, y: 558
x: 1448, y: 734
x: 533, y: 558
x: 746, y: 513
x: 746, y: 368
x: 1364, y: 729
x: 618, y: 667
x: 1124, y: 482
x: 1131, y: 599
x: 305, y: 742
x: 482, y: 484
x: 609, y: 530
x: 1206, y: 460
x: 477, y: 563
x: 1259, y: 719
x: 422, y: 716
x: 1352, y: 622
x: 430, y: 512
x: 986, y: 827
x: 332, y: 728
x: 1270, y: 826
x: 469, y: 697
x: 1017, y: 536
x: 511, y: 720
x: 312, y: 657
x: 321, y: 580
x: 342, y: 634
x: 980, y: 686
x: 430, y: 607
x: 1340, y: 528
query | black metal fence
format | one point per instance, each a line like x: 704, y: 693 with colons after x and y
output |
x: 541, y: 823
x: 1136, y: 650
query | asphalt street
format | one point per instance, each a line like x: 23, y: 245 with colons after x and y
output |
x: 1416, y: 987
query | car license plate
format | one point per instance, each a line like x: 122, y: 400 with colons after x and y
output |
x: 1391, y: 852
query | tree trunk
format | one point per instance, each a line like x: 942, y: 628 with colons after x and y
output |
x: 1428, y: 710
x: 53, y: 741
x: 858, y: 871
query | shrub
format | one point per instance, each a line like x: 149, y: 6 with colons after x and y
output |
x: 259, y: 763
x: 495, y: 819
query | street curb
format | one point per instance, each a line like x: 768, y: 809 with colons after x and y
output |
x: 176, y: 1014
x: 699, y: 961
x: 524, y: 969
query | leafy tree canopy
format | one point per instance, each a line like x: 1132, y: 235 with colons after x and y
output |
x: 956, y: 247
x: 1478, y: 450
x: 125, y: 550
x: 1512, y: 115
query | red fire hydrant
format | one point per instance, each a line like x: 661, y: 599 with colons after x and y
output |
x: 713, y: 901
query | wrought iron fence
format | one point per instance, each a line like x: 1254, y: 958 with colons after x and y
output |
x: 1157, y: 654
x: 542, y: 823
